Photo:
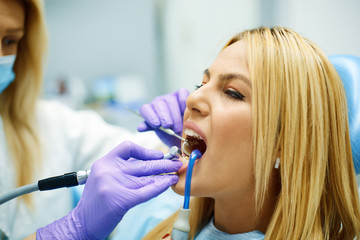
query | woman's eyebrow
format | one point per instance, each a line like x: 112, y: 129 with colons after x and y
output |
x: 15, y: 30
x: 230, y: 76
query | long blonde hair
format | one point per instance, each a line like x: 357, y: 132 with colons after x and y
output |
x: 300, y: 111
x: 18, y: 101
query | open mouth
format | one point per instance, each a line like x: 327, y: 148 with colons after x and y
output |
x: 193, y: 141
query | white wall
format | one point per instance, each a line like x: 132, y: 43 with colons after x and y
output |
x: 333, y: 24
x: 91, y: 39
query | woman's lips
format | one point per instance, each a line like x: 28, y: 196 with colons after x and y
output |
x: 191, y: 125
x: 185, y: 162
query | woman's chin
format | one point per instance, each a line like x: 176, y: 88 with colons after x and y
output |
x: 179, y: 188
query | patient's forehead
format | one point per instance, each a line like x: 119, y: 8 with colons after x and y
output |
x: 232, y: 59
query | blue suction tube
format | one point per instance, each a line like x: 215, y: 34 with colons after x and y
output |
x: 193, y: 156
x: 181, y: 227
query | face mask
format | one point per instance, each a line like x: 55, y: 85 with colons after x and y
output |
x: 7, y: 74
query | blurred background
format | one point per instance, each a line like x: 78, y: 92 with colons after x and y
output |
x: 105, y: 55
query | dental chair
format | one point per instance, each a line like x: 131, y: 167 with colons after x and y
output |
x: 348, y: 67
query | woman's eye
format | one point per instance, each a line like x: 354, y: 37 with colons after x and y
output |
x: 234, y: 95
x: 9, y: 41
x: 197, y: 86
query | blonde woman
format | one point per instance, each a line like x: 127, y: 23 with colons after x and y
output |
x: 38, y: 138
x: 271, y: 116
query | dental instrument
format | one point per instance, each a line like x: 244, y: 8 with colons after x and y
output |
x: 165, y: 130
x: 66, y: 180
x: 174, y: 151
x: 181, y: 227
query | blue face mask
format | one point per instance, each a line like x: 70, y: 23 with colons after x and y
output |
x: 7, y: 74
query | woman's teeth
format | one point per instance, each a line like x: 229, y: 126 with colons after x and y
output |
x: 192, y: 142
x: 189, y: 132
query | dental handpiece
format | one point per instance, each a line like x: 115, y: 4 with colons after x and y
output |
x: 66, y: 180
x: 174, y: 151
x: 165, y: 130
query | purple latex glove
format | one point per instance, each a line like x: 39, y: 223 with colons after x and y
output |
x: 117, y: 182
x: 166, y: 111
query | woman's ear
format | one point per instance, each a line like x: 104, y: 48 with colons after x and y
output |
x: 277, y: 163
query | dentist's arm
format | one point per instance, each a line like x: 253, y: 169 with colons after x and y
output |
x: 166, y: 111
x: 117, y: 182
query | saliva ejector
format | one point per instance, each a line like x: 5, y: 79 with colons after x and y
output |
x: 181, y: 227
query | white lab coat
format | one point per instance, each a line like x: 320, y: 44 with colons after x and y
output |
x: 72, y: 140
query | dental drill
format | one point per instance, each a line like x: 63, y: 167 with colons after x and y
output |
x: 66, y: 180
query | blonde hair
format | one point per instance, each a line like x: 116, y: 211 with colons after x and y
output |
x: 300, y: 111
x: 18, y: 101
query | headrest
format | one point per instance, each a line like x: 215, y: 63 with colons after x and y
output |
x: 348, y: 67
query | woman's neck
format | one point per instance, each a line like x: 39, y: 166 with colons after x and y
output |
x: 237, y: 214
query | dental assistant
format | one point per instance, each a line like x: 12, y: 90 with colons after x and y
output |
x: 41, y: 138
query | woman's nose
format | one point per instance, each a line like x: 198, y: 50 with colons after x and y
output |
x: 198, y: 102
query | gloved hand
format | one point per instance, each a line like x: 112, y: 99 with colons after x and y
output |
x: 117, y: 182
x: 166, y: 111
